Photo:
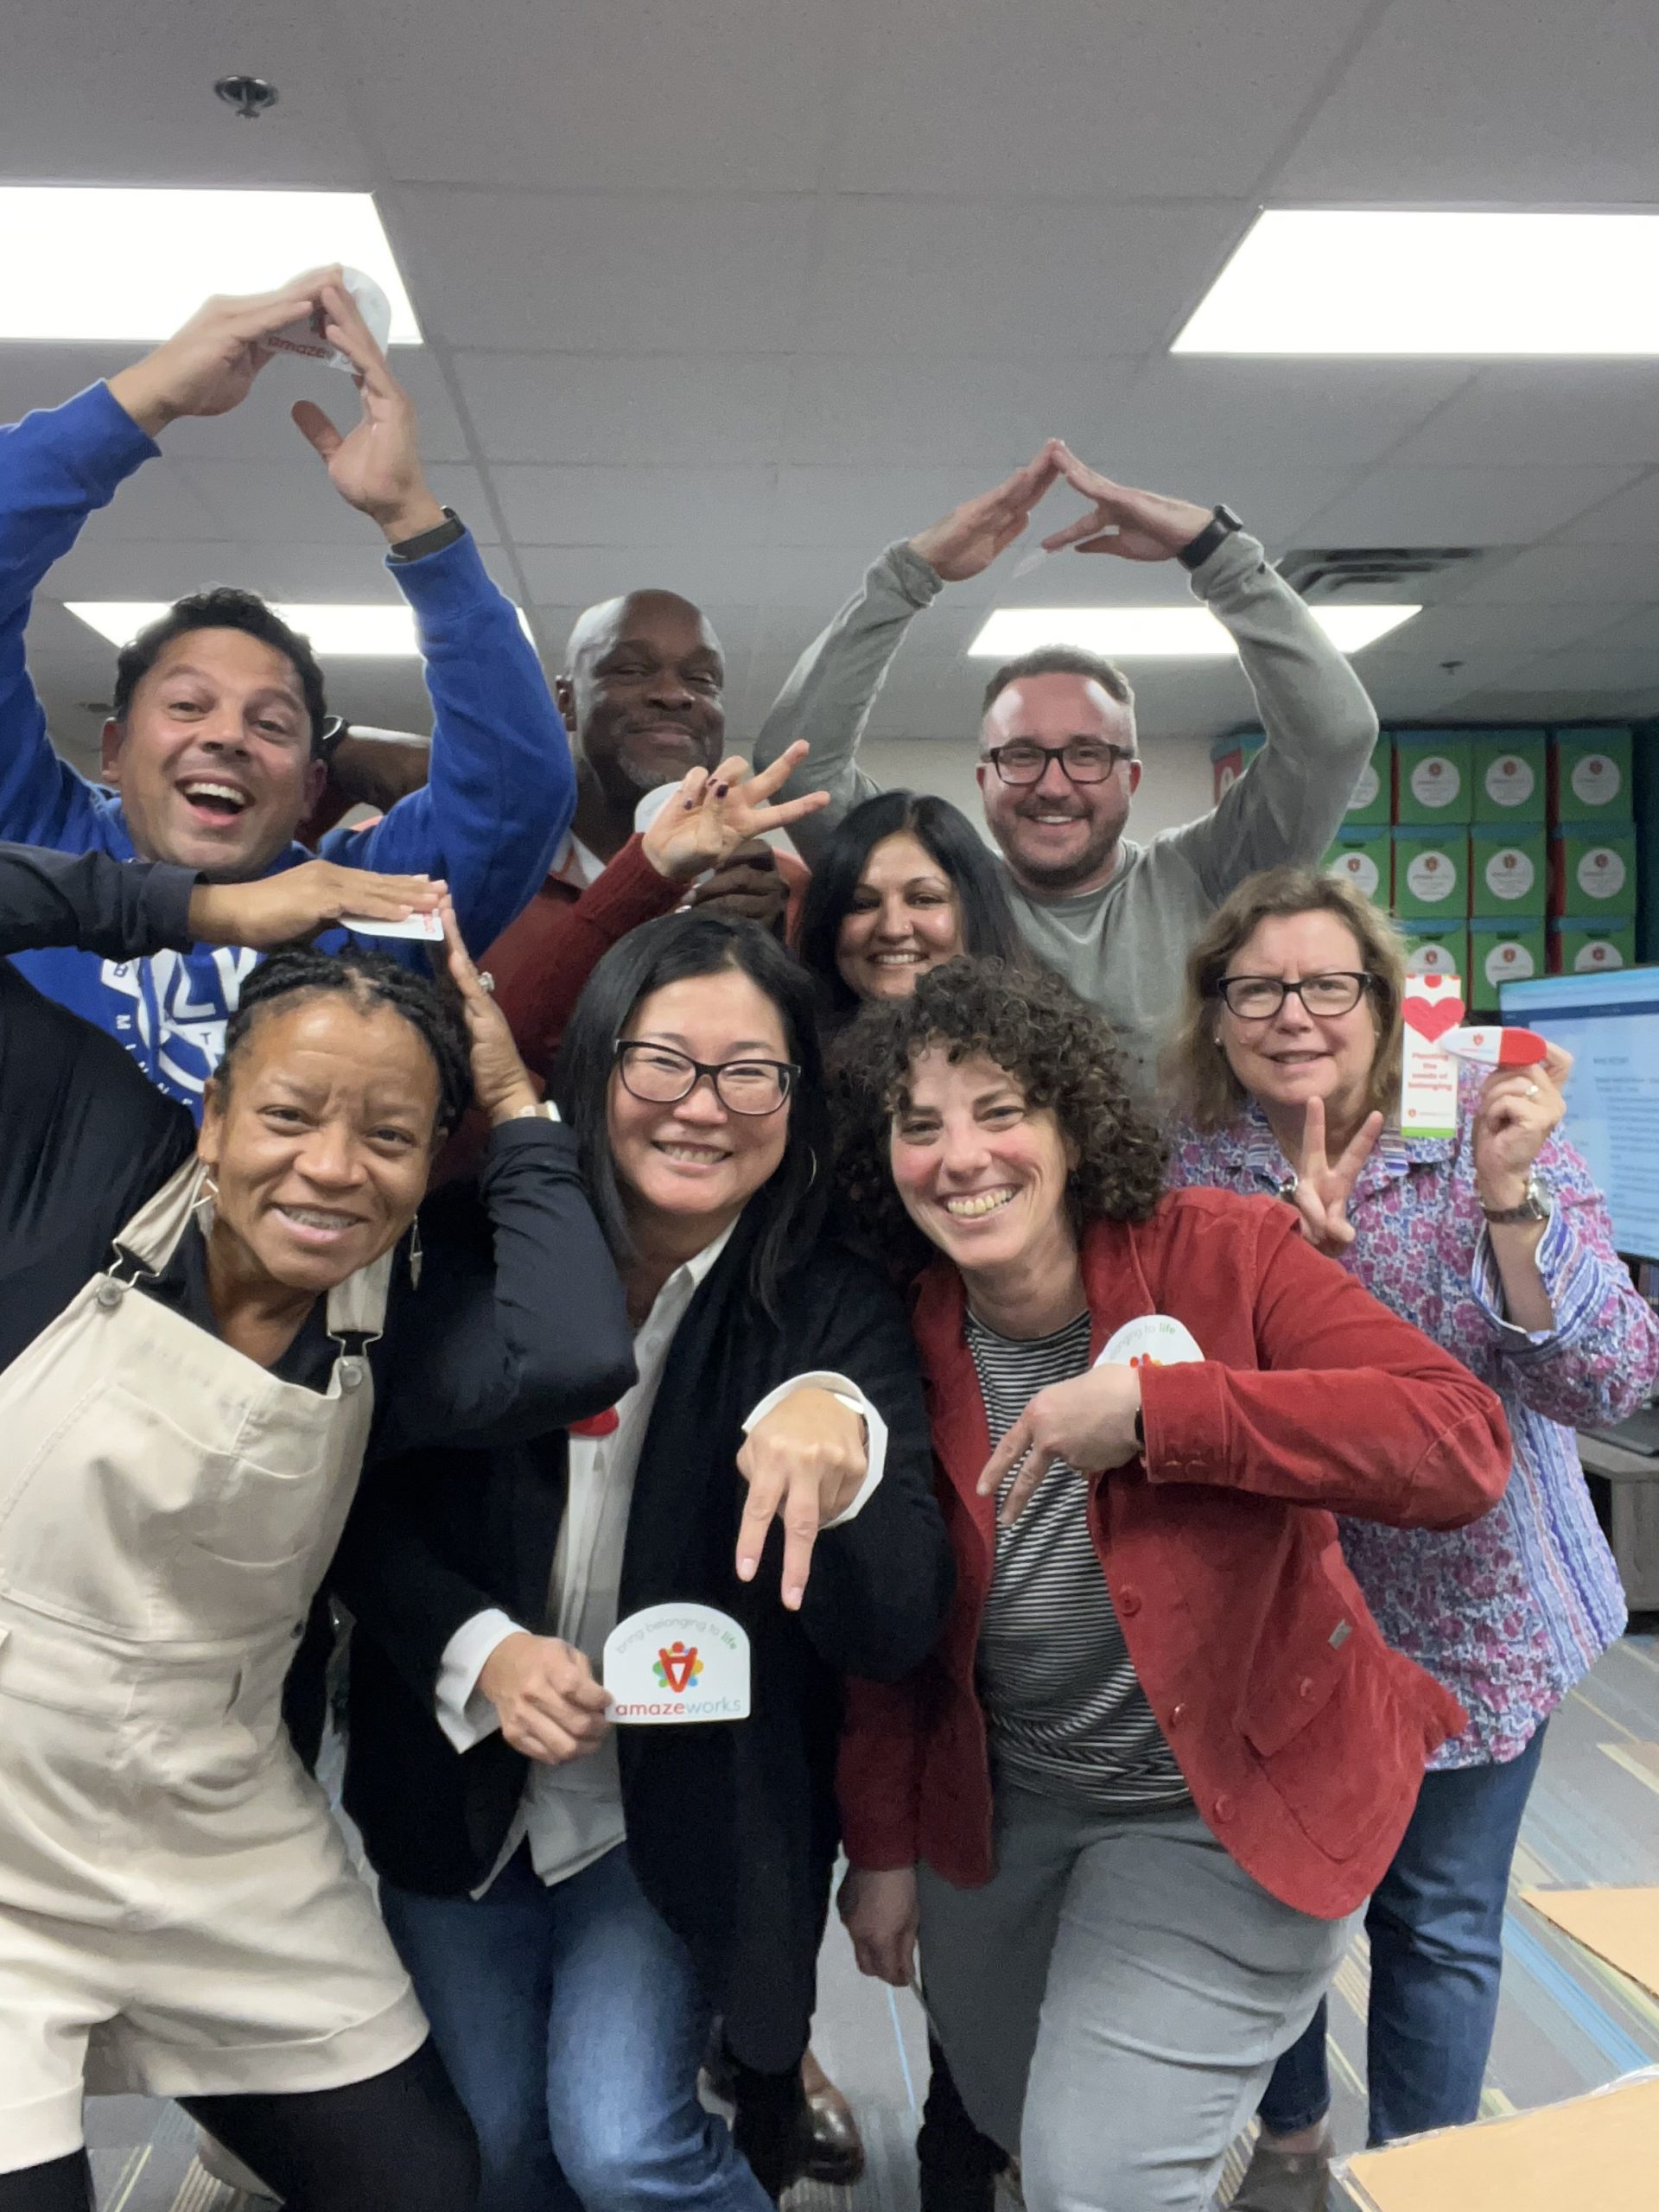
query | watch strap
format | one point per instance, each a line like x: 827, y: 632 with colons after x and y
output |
x: 1535, y: 1207
x: 1221, y: 526
x: 431, y: 541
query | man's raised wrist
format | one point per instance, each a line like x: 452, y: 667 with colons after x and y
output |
x: 404, y: 527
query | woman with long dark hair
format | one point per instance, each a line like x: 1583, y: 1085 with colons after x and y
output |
x: 573, y: 1900
x: 904, y: 882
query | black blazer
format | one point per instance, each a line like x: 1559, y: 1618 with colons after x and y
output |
x: 732, y: 1828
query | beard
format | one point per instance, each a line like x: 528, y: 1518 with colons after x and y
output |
x: 1057, y: 877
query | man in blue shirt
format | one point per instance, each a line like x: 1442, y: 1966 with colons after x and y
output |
x: 214, y: 753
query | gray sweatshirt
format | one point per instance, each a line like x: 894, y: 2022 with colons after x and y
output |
x: 1123, y: 947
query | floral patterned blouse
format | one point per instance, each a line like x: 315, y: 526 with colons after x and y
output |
x: 1510, y: 1611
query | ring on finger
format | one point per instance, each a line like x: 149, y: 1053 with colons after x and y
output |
x: 1532, y: 1091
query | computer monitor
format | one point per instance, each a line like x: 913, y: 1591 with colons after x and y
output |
x: 1610, y: 1023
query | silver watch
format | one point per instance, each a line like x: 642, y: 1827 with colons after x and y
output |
x: 1535, y: 1207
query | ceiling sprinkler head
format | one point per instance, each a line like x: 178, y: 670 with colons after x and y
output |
x: 249, y: 96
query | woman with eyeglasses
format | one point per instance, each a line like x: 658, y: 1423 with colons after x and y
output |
x: 1496, y: 1243
x: 574, y: 1900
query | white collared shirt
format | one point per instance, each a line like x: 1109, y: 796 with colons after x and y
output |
x: 573, y: 1813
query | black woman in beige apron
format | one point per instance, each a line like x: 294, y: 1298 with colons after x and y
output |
x: 191, y: 1352
x: 180, y: 1915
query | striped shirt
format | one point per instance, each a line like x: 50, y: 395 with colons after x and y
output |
x: 1067, y: 1715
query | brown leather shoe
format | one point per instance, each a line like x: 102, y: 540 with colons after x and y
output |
x: 837, y: 2151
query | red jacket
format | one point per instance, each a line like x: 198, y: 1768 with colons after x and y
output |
x: 1301, y: 1735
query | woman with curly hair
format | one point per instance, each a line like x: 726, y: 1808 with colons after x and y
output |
x: 1159, y: 1757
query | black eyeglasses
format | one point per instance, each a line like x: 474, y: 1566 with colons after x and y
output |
x: 1082, y: 759
x: 1258, y: 998
x: 658, y: 1076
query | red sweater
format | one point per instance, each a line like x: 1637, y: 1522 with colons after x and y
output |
x: 1301, y: 1735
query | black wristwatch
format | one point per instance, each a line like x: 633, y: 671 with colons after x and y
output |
x: 431, y: 541
x: 1222, y: 525
x: 328, y: 740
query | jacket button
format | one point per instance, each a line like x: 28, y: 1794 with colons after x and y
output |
x: 1305, y: 1688
x: 108, y: 1295
x: 1222, y: 1808
x: 351, y: 1374
x: 1128, y: 1601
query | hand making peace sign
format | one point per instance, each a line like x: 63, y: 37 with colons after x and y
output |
x: 1323, y: 1189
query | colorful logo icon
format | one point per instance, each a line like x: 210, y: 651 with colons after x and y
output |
x: 678, y: 1667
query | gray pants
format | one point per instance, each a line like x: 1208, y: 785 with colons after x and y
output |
x: 1112, y: 2002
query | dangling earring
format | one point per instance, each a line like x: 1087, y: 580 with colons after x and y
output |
x: 205, y: 1200
x: 812, y: 1155
x: 416, y: 1255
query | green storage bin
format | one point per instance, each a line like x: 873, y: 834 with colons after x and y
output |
x: 1592, y: 870
x: 1508, y: 871
x: 1431, y: 874
x: 1511, y: 775
x: 1499, y: 953
x: 1437, y: 951
x: 1372, y: 802
x: 1364, y: 858
x: 1432, y: 774
x: 1229, y: 756
x: 1586, y: 948
x: 1590, y: 775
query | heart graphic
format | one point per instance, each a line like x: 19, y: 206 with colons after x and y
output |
x: 1433, y: 1020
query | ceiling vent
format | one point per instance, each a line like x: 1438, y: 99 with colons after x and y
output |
x: 1377, y: 570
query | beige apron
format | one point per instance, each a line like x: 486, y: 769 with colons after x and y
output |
x: 178, y: 1913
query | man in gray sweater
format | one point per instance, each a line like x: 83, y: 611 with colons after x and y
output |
x: 1115, y: 918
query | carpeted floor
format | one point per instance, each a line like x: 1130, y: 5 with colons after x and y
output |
x: 1567, y: 2022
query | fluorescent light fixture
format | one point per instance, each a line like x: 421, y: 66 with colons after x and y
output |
x: 82, y: 262
x: 1162, y: 632
x: 1398, y: 281
x: 379, y: 632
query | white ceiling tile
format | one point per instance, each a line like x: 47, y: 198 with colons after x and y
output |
x: 627, y: 409
x: 1559, y: 574
x: 760, y: 576
x: 1636, y: 632
x: 1517, y: 414
x: 635, y: 506
x: 1067, y: 97
x: 295, y: 502
x: 607, y: 95
x: 1467, y: 629
x: 158, y: 504
x: 1594, y: 667
x: 1500, y: 704
x: 138, y: 104
x: 1485, y: 102
x: 1631, y: 518
x: 605, y: 271
x: 942, y: 411
x: 1213, y: 413
x: 1463, y: 506
x: 1039, y: 280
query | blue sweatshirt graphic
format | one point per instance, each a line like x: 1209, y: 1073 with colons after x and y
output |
x: 499, y: 800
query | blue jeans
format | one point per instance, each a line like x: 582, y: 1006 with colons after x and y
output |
x: 1436, y: 1928
x: 573, y: 2025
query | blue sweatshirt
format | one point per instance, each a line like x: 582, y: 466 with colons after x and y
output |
x: 499, y: 800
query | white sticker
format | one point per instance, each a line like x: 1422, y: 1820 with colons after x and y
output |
x: 1509, y: 874
x: 1601, y: 873
x: 306, y: 336
x: 1435, y: 782
x: 1366, y: 788
x: 1431, y: 876
x: 678, y: 1663
x: 1596, y: 780
x: 1359, y: 869
x: 1431, y: 960
x: 1509, y: 962
x: 1151, y: 1340
x: 1598, y: 954
x: 1510, y: 780
x: 427, y: 928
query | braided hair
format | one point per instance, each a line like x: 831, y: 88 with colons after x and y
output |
x: 368, y: 980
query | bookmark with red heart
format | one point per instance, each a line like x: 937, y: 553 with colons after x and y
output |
x: 1426, y: 1011
x: 1495, y: 1048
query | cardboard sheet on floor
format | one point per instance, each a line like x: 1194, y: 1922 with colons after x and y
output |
x: 1621, y: 1926
x: 1594, y: 2151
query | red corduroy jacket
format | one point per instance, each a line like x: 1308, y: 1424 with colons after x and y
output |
x: 1301, y: 1735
